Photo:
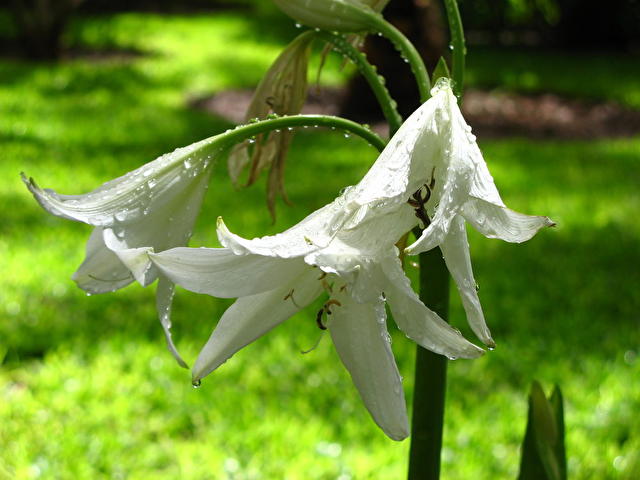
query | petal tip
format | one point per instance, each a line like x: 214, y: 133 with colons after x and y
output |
x: 182, y: 363
x: 472, y: 352
x: 398, y: 436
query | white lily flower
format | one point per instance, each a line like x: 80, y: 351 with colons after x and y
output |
x: 353, y: 261
x: 152, y: 208
x: 434, y: 163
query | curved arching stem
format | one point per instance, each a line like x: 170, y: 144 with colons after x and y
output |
x: 244, y: 132
x: 408, y: 52
x: 373, y: 78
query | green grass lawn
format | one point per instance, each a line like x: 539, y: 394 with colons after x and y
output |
x: 87, y: 388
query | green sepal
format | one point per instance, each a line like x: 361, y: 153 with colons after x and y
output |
x: 441, y: 70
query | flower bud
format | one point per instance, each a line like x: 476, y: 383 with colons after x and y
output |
x: 333, y: 15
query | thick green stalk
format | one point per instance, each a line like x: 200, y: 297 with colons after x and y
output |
x: 368, y: 71
x: 430, y: 376
x: 459, y: 49
x: 243, y: 132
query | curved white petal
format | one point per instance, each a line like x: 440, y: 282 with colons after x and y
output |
x: 151, y: 208
x: 135, y: 259
x: 158, y: 230
x: 405, y: 163
x: 221, y: 273
x: 494, y: 221
x: 101, y: 271
x: 455, y: 250
x: 419, y: 323
x: 360, y: 335
x: 164, y: 298
x: 313, y: 232
x: 124, y: 200
x: 253, y: 316
x: 371, y: 239
x: 481, y: 183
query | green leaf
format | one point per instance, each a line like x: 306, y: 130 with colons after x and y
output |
x: 557, y: 405
x: 441, y: 70
x: 543, y: 451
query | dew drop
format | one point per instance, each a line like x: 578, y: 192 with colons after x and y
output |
x: 196, y: 384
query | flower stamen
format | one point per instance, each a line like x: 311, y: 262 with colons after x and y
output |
x: 419, y: 202
x: 326, y: 309
x: 290, y: 296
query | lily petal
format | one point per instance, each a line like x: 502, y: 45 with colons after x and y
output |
x: 164, y: 298
x: 455, y: 250
x: 221, y: 273
x: 253, y: 316
x: 494, y: 221
x: 399, y: 170
x: 313, y: 232
x: 419, y: 323
x: 124, y: 200
x: 360, y: 335
x: 101, y: 271
x: 135, y: 259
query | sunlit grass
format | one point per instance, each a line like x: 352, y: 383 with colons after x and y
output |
x: 88, y: 390
x: 588, y: 75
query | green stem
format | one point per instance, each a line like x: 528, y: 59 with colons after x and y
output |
x: 430, y: 376
x: 408, y: 52
x: 368, y: 71
x: 457, y: 43
x: 243, y: 132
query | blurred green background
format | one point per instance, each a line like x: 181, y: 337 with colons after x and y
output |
x: 87, y: 388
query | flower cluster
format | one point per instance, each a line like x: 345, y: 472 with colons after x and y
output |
x: 431, y: 175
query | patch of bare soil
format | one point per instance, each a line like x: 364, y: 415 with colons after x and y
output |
x: 491, y: 113
x: 496, y: 114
